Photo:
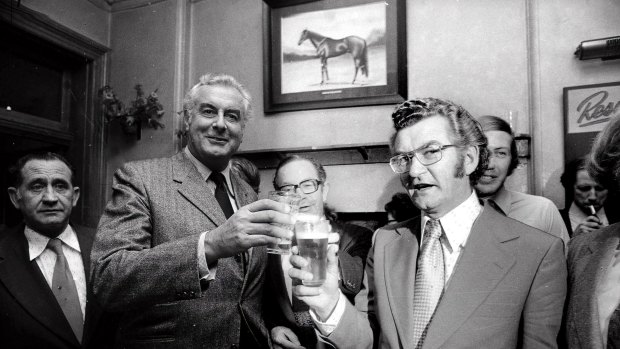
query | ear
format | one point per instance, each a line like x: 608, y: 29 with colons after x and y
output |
x: 325, y: 191
x: 472, y: 158
x: 76, y: 195
x: 14, y: 196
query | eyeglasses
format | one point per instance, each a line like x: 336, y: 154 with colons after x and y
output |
x: 426, y: 156
x: 308, y: 186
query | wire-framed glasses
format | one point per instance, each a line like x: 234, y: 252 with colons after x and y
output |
x: 426, y: 156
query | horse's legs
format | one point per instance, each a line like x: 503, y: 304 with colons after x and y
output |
x: 324, y: 75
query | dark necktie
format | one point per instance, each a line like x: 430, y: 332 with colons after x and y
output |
x: 429, y: 281
x: 65, y: 291
x: 613, y: 334
x: 221, y: 194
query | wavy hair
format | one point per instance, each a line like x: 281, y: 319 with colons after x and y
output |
x: 603, y: 163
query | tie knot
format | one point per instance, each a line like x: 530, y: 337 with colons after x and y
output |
x: 432, y: 229
x: 217, y: 178
x: 55, y: 245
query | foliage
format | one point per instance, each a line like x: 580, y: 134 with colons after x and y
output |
x: 142, y: 110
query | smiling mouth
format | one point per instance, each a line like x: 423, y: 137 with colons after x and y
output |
x: 215, y: 139
x: 422, y: 186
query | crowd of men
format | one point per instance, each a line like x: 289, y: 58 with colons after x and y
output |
x: 179, y: 256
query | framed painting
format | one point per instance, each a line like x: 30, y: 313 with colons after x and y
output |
x: 334, y: 53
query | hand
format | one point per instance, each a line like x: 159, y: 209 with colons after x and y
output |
x: 590, y: 224
x: 322, y: 299
x: 284, y: 337
x: 250, y: 226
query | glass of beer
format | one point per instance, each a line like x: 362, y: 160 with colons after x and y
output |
x: 292, y: 199
x: 312, y: 239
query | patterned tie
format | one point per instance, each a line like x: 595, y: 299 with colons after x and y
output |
x: 613, y: 334
x: 429, y: 281
x: 65, y: 291
x: 221, y: 194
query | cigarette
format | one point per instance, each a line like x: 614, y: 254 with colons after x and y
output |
x: 592, y: 210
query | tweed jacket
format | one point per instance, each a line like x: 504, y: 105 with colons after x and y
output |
x: 507, y: 290
x: 145, y: 261
x: 589, y: 256
x: 30, y: 316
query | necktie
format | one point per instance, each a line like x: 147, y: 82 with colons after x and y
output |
x: 65, y: 291
x: 429, y: 281
x: 613, y: 334
x: 221, y: 194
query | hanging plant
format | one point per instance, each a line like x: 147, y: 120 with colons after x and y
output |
x: 143, y: 110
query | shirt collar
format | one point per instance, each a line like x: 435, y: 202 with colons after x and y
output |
x: 205, y: 172
x: 502, y: 200
x: 37, y: 242
x: 457, y: 223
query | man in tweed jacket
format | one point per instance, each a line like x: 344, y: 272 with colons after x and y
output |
x: 167, y: 258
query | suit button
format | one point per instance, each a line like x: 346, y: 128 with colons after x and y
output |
x: 234, y: 346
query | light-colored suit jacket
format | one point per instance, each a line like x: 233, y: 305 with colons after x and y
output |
x: 589, y: 256
x: 506, y: 291
x: 145, y: 261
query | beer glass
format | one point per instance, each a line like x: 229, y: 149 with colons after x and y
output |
x: 292, y: 199
x: 312, y: 244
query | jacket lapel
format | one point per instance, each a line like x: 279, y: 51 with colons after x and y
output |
x: 25, y: 282
x: 483, y: 264
x: 586, y: 302
x: 194, y: 189
x: 400, y: 264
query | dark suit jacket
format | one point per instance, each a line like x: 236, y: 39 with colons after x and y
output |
x: 589, y: 256
x: 507, y: 290
x: 145, y: 261
x: 30, y: 316
x: 355, y: 241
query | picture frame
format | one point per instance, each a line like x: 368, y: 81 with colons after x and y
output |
x: 333, y: 53
x: 587, y: 109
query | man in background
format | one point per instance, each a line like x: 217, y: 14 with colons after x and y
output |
x: 400, y: 208
x: 45, y: 301
x: 459, y: 276
x: 585, y: 212
x: 180, y: 249
x: 592, y: 319
x: 308, y: 178
x: 535, y: 211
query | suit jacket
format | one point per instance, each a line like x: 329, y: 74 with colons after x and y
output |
x: 506, y: 291
x: 145, y: 261
x: 355, y: 241
x: 30, y: 316
x: 589, y: 256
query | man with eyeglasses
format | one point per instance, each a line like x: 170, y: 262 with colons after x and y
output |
x: 461, y: 275
x: 180, y: 252
x: 535, y: 211
x: 307, y: 177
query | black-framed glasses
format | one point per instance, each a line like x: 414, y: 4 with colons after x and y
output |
x: 426, y: 156
x: 308, y: 186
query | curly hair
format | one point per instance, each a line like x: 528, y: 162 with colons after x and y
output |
x: 465, y: 129
x: 603, y: 163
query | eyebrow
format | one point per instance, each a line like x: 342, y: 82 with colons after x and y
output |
x: 209, y: 105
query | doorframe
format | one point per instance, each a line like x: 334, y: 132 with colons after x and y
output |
x: 86, y: 129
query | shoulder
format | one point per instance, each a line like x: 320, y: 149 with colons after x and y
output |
x: 581, y: 242
x: 407, y: 229
x: 533, y: 201
x: 507, y: 228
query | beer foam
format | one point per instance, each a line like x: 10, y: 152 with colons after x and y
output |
x: 312, y: 230
x: 306, y: 217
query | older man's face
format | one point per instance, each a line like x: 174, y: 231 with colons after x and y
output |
x: 45, y: 196
x: 216, y: 125
x: 437, y: 188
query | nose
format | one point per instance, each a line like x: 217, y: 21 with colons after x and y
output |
x: 49, y: 195
x: 219, y: 121
x: 592, y: 195
x: 415, y: 167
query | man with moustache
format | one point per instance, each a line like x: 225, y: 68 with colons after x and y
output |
x: 473, y: 279
x: 535, y: 211
x: 180, y: 250
x: 592, y: 318
x: 45, y: 301
x: 307, y: 177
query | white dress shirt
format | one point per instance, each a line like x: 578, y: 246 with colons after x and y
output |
x: 46, y: 259
x: 456, y: 226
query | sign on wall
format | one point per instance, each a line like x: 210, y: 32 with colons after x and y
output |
x: 587, y: 109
